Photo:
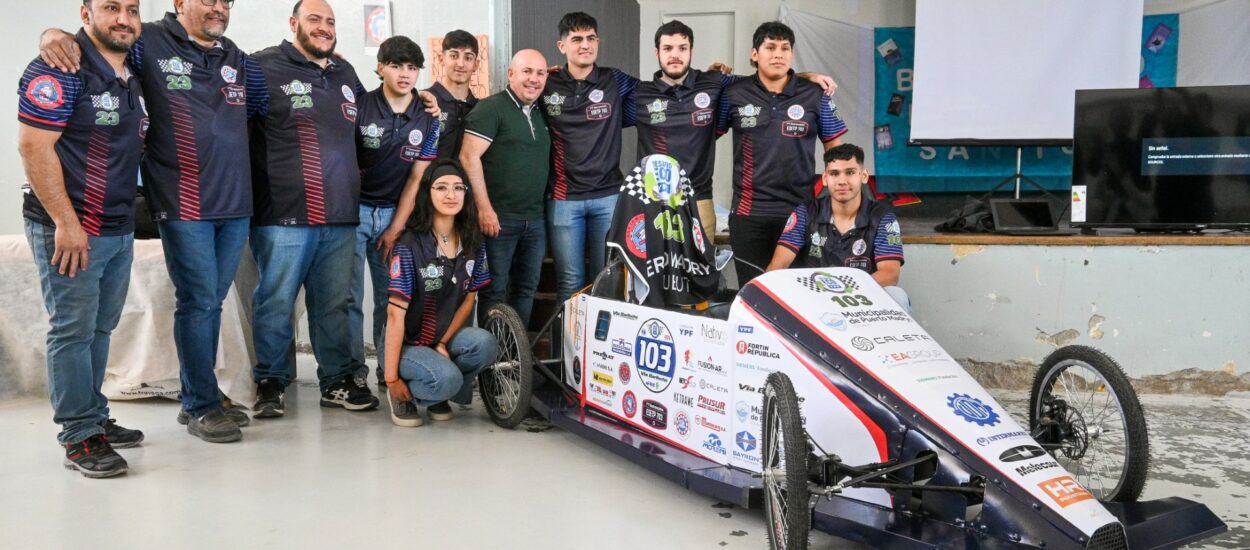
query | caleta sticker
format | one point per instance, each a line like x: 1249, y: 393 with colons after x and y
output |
x: 229, y: 74
x: 795, y: 112
x: 45, y: 92
x: 702, y: 100
x: 859, y: 247
x: 348, y: 94
x: 415, y: 137
x: 636, y: 236
x: 596, y: 96
x: 629, y: 404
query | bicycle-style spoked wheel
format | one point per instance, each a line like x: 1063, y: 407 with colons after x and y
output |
x: 506, y: 384
x: 784, y: 464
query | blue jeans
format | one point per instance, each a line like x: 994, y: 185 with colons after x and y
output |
x: 516, y: 261
x: 433, y: 378
x: 899, y: 295
x: 579, y: 233
x: 84, y: 310
x: 317, y: 258
x: 202, y: 257
x: 374, y: 220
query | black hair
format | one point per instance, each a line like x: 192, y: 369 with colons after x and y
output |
x: 671, y: 28
x: 577, y: 21
x: 295, y: 10
x: 846, y: 151
x: 400, y: 50
x: 460, y: 39
x: 422, y: 219
x: 775, y: 30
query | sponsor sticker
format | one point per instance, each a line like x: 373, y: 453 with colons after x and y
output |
x: 862, y: 344
x: 746, y: 441
x: 603, y: 378
x: 681, y: 424
x: 972, y: 409
x: 655, y: 355
x: 714, y: 444
x: 629, y: 404
x: 1022, y: 452
x: 654, y: 414
x: 636, y: 236
x: 1065, y: 491
x: 623, y: 373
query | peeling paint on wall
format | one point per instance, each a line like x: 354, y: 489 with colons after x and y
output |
x: 1058, y: 339
x: 1095, y: 326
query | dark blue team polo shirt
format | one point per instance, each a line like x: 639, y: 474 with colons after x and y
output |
x: 303, y: 147
x: 774, y: 137
x: 680, y: 121
x: 102, y: 121
x: 196, y: 163
x: 387, y: 143
x: 434, y: 285
x: 451, y: 120
x: 812, y: 235
x: 585, y: 118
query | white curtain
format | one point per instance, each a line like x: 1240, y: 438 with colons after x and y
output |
x: 845, y: 52
x: 1215, y: 45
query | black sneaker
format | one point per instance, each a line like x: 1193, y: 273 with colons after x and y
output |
x: 215, y: 427
x: 439, y: 411
x: 269, y: 403
x: 237, y: 416
x: 351, y: 393
x: 121, y: 438
x: 404, y: 413
x: 95, y: 458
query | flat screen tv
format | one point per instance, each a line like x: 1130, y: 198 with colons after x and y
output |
x: 1162, y: 159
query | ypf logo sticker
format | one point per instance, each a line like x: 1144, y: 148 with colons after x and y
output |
x: 972, y: 409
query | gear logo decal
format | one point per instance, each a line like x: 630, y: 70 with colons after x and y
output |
x: 972, y: 409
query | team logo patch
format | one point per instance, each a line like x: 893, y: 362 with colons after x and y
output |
x: 859, y: 247
x: 821, y: 281
x: 791, y: 222
x: 657, y: 109
x: 296, y: 87
x: 229, y: 74
x: 555, y: 103
x: 415, y: 137
x: 629, y: 404
x: 749, y: 115
x: 395, y: 268
x: 468, y: 267
x: 697, y: 230
x: 795, y: 112
x: 372, y: 130
x: 143, y: 105
x: 175, y: 65
x: 636, y: 233
x: 45, y: 92
x: 596, y: 96
x: 106, y: 101
x: 972, y: 409
x: 681, y: 423
x: 348, y: 94
x: 702, y: 100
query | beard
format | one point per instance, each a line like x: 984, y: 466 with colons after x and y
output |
x: 305, y: 40
x: 685, y: 69
x: 116, y: 45
x: 216, y: 29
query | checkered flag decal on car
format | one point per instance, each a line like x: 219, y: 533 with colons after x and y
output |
x: 810, y: 282
x: 638, y: 189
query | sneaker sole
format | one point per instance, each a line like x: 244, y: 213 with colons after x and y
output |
x: 70, y: 465
x: 441, y: 417
x: 269, y: 413
x: 184, y: 420
x: 224, y: 438
x: 125, y: 445
x: 331, y: 403
x: 414, y: 422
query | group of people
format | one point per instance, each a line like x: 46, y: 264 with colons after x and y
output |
x: 436, y: 193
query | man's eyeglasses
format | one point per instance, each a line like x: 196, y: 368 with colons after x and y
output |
x: 210, y: 3
x: 444, y: 189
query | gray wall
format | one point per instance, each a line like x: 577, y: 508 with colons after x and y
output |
x: 1155, y: 309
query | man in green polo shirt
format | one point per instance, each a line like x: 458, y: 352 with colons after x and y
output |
x: 507, y: 153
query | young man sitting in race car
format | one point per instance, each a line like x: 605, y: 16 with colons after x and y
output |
x: 841, y: 227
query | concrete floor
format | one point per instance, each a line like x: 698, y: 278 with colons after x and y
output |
x: 329, y: 478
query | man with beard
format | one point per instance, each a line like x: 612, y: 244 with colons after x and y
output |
x: 841, y: 227
x: 677, y: 112
x: 776, y: 119
x: 80, y: 139
x: 198, y: 85
x: 459, y: 60
x: 306, y: 186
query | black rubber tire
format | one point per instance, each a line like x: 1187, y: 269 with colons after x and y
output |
x: 788, y: 528
x: 1132, y: 479
x: 507, y: 385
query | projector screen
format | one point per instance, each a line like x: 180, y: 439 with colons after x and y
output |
x: 996, y: 71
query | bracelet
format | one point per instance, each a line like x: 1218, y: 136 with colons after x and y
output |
x: 442, y: 343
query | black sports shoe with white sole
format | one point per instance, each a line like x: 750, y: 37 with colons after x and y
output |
x: 95, y: 458
x: 269, y: 399
x: 237, y: 416
x: 121, y: 438
x: 351, y: 393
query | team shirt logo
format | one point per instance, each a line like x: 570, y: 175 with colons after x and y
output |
x: 107, y: 104
x: 433, y: 275
x: 143, y: 105
x: 795, y: 112
x: 175, y: 65
x: 349, y: 94
x: 657, y: 108
x: 45, y: 92
x: 395, y: 267
x: 791, y: 222
x: 859, y: 247
x: 596, y: 96
x: 296, y: 88
x: 371, y: 136
x: 749, y: 115
x: 702, y: 100
x: 415, y: 137
x: 554, y: 103
x: 229, y: 74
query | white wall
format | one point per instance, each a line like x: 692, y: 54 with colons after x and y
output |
x: 747, y: 15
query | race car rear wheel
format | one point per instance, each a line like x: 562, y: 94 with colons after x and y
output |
x: 506, y: 384
x: 784, y: 464
x: 1084, y: 411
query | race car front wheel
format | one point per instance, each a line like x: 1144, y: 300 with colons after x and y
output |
x: 1086, y: 414
x: 506, y: 384
x: 784, y: 464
